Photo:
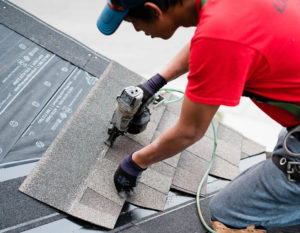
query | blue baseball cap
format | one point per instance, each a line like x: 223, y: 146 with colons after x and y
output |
x: 113, y: 14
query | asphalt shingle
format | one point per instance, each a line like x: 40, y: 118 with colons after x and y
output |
x: 229, y: 135
x: 250, y: 147
x: 77, y: 160
x: 156, y: 180
x: 61, y: 176
x: 189, y: 173
x: 167, y: 121
x: 148, y: 197
x: 224, y: 169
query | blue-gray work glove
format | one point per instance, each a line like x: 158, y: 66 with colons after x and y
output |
x: 127, y: 176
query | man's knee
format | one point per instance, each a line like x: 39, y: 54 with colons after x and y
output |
x: 214, y: 208
x: 220, y: 207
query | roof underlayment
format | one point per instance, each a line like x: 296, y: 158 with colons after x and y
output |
x: 57, y: 97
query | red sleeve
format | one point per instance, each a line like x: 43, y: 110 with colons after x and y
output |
x: 219, y: 70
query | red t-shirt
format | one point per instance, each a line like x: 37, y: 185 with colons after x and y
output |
x: 250, y: 45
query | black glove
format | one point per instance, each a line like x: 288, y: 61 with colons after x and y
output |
x: 127, y: 176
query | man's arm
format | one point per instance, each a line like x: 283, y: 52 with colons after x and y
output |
x: 179, y: 65
x: 191, y: 126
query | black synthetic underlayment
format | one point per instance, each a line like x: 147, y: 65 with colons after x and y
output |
x: 39, y: 93
x: 52, y: 39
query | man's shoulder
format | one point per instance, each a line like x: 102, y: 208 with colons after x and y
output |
x: 231, y: 19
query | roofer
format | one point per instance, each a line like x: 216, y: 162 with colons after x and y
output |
x: 249, y: 47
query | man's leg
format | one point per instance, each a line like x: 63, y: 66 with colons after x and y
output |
x: 260, y: 196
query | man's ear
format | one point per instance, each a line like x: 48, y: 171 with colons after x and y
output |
x: 154, y: 8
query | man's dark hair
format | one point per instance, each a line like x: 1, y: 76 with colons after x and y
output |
x: 144, y: 13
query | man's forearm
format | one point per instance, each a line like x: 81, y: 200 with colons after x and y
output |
x: 179, y: 65
x: 169, y: 143
x: 191, y: 126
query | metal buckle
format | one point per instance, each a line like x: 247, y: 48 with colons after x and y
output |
x: 285, y: 147
x: 290, y: 170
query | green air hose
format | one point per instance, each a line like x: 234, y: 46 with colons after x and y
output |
x: 209, y: 166
x: 204, y: 178
x: 173, y: 90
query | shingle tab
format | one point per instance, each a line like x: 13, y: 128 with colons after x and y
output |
x: 224, y: 169
x: 228, y: 152
x: 168, y: 120
x: 203, y: 148
x: 250, y: 147
x: 148, y: 197
x: 173, y: 161
x: 164, y: 168
x: 101, y: 181
x: 229, y: 135
x: 157, y: 180
x: 189, y: 173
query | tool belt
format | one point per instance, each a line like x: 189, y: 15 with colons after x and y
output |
x: 287, y: 166
x: 293, y: 132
